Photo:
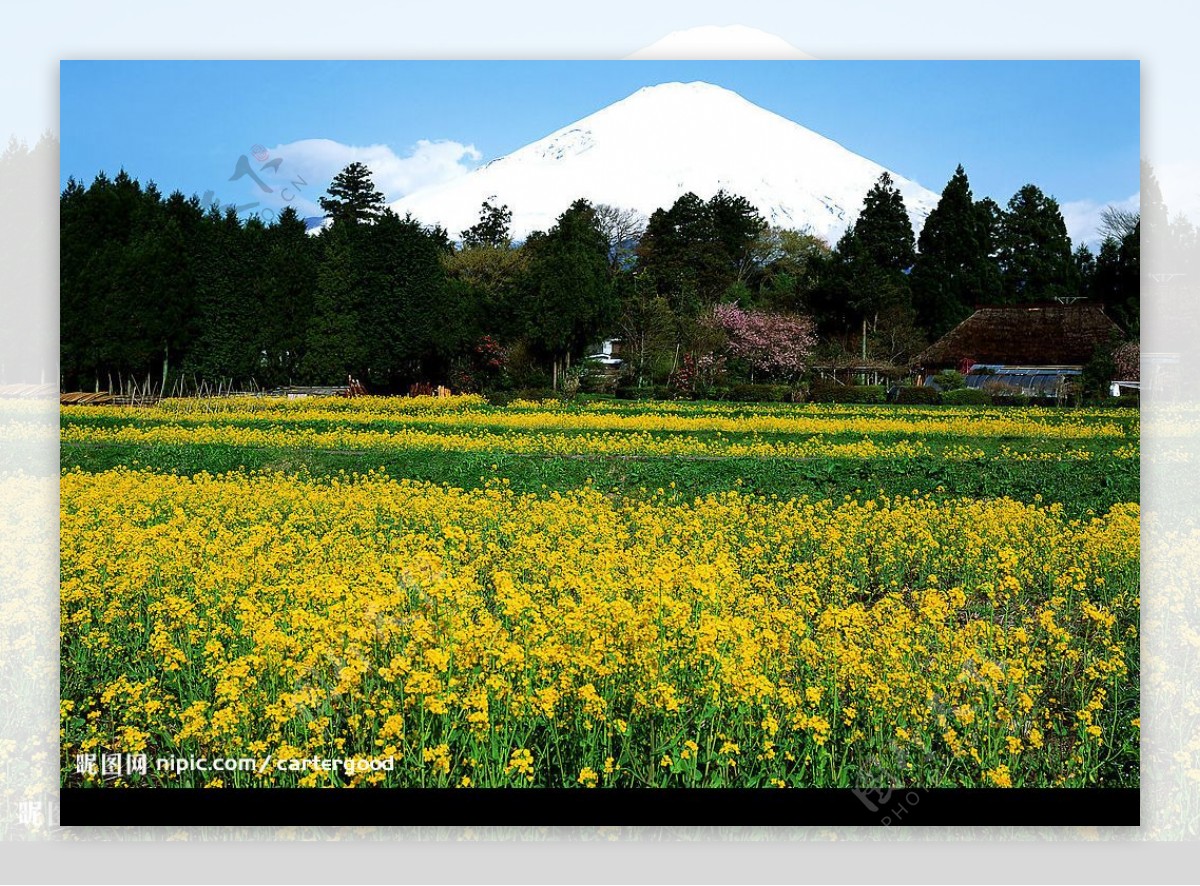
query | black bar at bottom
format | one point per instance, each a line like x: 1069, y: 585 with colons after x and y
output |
x: 1033, y: 807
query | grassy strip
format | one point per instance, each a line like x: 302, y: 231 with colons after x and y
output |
x: 1080, y: 486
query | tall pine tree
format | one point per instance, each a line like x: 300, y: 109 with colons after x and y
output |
x: 954, y: 270
x: 1035, y: 250
x: 352, y: 196
x: 866, y: 277
x: 571, y: 296
x: 492, y: 229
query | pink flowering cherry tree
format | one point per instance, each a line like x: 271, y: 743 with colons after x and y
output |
x: 776, y: 345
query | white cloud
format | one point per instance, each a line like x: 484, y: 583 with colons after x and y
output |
x: 1083, y: 218
x: 307, y: 167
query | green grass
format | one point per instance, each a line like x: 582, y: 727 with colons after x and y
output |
x: 1081, y: 486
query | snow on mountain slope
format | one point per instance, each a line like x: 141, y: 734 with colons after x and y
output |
x: 645, y: 151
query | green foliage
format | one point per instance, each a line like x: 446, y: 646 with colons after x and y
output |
x: 570, y: 293
x: 647, y: 328
x: 966, y: 397
x: 492, y: 229
x: 503, y: 398
x: 866, y: 277
x: 335, y: 347
x: 883, y: 228
x: 914, y: 395
x: 1115, y: 278
x: 694, y: 251
x: 352, y: 198
x: 833, y: 393
x: 164, y: 288
x: 787, y: 267
x: 491, y: 281
x: 1034, y: 249
x: 633, y: 392
x: 755, y: 393
x: 648, y: 392
x: 950, y: 380
x: 954, y: 270
x: 1100, y: 371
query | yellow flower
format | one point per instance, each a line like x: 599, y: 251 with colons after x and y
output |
x: 521, y: 762
x: 437, y: 627
x: 999, y: 776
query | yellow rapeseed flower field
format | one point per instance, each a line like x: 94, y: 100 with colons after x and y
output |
x: 582, y: 638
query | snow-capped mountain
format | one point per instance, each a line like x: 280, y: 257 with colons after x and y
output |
x: 645, y: 151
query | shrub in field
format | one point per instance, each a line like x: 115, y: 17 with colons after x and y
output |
x: 573, y: 379
x: 950, y: 380
x: 831, y: 393
x: 966, y: 397
x: 918, y: 395
x: 756, y: 393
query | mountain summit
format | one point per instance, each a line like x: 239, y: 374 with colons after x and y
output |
x: 645, y: 151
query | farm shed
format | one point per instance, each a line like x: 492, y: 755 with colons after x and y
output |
x: 1037, y: 348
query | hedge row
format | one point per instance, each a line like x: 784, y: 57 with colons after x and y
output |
x: 847, y: 394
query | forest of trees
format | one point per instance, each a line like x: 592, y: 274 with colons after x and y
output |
x: 162, y: 287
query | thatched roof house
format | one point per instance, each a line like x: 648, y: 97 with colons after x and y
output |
x: 1023, y: 335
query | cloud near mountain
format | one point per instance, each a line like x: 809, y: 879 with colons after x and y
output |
x: 317, y: 160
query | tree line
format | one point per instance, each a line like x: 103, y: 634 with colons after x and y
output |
x: 166, y: 288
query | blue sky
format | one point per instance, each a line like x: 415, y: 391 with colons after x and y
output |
x: 1072, y: 128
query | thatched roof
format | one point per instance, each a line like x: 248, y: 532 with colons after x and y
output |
x: 1026, y: 335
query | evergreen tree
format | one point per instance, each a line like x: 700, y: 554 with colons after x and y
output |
x: 491, y: 230
x: 571, y: 296
x: 954, y: 269
x: 352, y: 196
x: 334, y: 347
x: 78, y: 296
x: 1115, y: 280
x: 696, y: 250
x: 883, y: 228
x: 676, y: 252
x: 1085, y: 268
x: 866, y: 278
x: 289, y: 272
x: 228, y: 309
x: 1034, y: 249
x: 411, y: 320
x: 736, y: 227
